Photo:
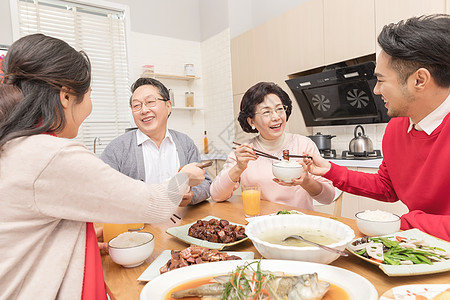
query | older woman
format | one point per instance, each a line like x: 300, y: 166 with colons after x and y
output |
x: 52, y: 188
x: 265, y: 109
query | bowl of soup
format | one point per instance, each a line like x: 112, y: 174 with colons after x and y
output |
x: 286, y: 170
x: 267, y: 235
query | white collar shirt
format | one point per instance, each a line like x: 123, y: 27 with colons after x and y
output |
x: 159, y: 163
x: 432, y: 120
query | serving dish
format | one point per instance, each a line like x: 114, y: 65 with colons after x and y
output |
x: 152, y: 270
x: 292, y: 212
x: 417, y: 269
x: 181, y: 232
x: 355, y: 285
x: 429, y: 291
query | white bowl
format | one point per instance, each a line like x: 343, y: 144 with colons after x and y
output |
x: 135, y: 253
x: 292, y: 224
x: 377, y: 227
x: 286, y: 171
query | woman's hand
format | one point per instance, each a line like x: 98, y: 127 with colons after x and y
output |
x: 244, y: 153
x: 196, y: 174
x: 103, y: 246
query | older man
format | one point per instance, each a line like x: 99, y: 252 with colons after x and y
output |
x: 413, y: 72
x: 153, y: 153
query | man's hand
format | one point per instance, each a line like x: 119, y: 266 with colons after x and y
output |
x: 187, y: 198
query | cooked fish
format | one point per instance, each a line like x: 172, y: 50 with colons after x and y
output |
x: 302, y: 287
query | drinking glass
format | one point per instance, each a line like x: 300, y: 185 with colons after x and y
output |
x: 251, y: 200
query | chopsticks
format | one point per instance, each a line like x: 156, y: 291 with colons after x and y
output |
x: 171, y: 219
x: 300, y: 156
x: 260, y: 153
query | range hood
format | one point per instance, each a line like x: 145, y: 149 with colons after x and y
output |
x: 339, y: 95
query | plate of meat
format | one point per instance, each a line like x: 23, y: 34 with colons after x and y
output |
x: 210, y: 232
x: 174, y: 259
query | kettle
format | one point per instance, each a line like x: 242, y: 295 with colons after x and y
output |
x: 360, y: 144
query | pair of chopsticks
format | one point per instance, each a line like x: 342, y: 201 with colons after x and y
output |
x: 260, y: 153
x: 172, y: 219
x: 299, y: 156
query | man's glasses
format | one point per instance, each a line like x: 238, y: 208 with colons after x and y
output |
x: 267, y: 112
x: 150, y: 102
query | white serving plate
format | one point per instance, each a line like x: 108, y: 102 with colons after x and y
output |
x: 410, y: 292
x: 355, y: 285
x: 152, y: 270
x: 419, y: 269
x: 181, y: 232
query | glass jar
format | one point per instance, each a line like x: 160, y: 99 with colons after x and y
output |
x: 189, y: 70
x: 189, y: 99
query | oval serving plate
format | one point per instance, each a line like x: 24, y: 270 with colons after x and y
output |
x: 181, y: 232
x: 411, y: 270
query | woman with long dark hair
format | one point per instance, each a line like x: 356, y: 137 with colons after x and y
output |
x: 52, y: 188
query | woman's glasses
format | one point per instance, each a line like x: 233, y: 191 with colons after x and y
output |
x: 149, y: 102
x: 267, y: 112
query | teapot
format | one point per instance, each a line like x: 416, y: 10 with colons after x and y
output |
x: 360, y: 144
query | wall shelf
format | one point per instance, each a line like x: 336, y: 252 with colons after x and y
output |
x: 187, y: 108
x: 169, y: 76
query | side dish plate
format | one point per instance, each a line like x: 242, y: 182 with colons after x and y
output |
x: 181, y: 232
x: 410, y: 270
x: 152, y: 270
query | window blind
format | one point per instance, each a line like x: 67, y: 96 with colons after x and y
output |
x: 100, y: 32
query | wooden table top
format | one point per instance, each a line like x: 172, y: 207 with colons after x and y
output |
x: 122, y: 282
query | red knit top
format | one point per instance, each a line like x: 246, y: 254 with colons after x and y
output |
x: 414, y: 170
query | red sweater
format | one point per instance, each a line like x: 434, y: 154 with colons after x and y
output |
x: 414, y: 170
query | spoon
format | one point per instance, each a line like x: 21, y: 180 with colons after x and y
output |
x: 299, y: 237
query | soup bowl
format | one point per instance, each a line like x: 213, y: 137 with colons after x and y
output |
x: 263, y: 230
x: 286, y: 170
x: 131, y: 249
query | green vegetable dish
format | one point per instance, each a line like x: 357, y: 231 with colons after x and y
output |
x: 287, y: 212
x: 398, y: 251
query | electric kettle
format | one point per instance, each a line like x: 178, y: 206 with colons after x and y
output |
x: 360, y: 144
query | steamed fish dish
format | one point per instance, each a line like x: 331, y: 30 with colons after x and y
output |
x: 246, y: 282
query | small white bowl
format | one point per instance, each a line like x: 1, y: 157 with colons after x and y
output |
x: 289, y: 224
x: 134, y: 253
x: 286, y: 171
x: 378, y: 227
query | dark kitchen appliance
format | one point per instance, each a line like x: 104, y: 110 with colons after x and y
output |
x: 361, y: 156
x: 328, y: 153
x: 339, y: 97
x: 323, y: 142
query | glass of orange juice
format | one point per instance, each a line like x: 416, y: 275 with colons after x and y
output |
x: 135, y: 226
x: 251, y: 199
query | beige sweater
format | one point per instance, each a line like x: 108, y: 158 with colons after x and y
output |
x: 49, y: 188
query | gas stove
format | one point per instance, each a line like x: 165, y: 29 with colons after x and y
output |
x: 361, y: 155
x: 327, y: 153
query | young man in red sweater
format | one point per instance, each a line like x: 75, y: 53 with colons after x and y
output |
x: 413, y: 72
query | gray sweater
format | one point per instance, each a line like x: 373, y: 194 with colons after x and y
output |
x: 124, y: 155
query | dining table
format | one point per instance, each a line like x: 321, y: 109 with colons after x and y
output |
x: 122, y: 283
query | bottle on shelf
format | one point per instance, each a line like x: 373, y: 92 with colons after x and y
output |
x: 171, y: 97
x: 205, y: 144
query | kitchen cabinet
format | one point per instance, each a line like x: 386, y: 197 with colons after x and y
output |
x: 392, y: 11
x: 349, y: 29
x: 302, y: 40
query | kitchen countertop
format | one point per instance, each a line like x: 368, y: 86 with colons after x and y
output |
x: 360, y: 163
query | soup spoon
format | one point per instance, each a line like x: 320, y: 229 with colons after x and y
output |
x: 299, y: 237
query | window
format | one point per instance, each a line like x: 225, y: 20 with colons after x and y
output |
x: 101, y: 32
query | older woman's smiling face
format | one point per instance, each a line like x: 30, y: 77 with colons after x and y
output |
x: 270, y: 117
